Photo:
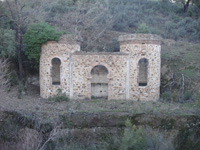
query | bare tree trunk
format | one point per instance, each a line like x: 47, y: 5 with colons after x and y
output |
x: 19, y: 56
x: 186, y: 6
x: 18, y: 24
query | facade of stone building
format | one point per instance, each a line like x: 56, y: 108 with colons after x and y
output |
x: 131, y: 74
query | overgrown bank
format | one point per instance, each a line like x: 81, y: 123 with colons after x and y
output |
x: 105, y: 130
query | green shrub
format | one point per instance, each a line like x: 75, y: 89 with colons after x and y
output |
x: 187, y: 95
x: 197, y: 102
x: 156, y: 139
x: 7, y: 43
x: 35, y: 36
x: 132, y: 138
x: 59, y: 98
x: 143, y: 28
x: 166, y: 96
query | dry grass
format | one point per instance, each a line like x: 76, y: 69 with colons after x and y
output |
x: 45, y: 109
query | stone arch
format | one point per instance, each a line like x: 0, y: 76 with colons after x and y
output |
x: 109, y: 76
x: 99, y: 81
x: 56, y: 71
x: 143, y: 69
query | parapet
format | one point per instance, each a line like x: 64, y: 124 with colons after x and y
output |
x: 139, y: 39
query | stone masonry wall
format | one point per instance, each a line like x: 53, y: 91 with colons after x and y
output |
x: 143, y: 46
x: 123, y: 69
x: 52, y: 50
x: 116, y: 64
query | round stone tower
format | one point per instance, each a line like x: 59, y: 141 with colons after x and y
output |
x: 144, y: 65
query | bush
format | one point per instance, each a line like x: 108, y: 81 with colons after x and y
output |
x: 187, y: 95
x: 36, y: 35
x: 59, y: 98
x: 132, y: 138
x: 157, y: 140
x: 7, y: 43
x: 167, y: 96
x: 143, y: 28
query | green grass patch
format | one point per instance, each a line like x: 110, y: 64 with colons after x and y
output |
x: 59, y: 98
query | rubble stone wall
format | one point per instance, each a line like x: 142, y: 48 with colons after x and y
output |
x: 143, y: 46
x: 123, y: 69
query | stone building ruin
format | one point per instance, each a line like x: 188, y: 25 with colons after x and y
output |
x: 133, y: 73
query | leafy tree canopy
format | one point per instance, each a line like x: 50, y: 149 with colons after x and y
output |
x: 143, y: 28
x: 36, y: 35
x: 7, y: 43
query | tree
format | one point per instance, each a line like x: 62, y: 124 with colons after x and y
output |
x: 88, y: 20
x: 143, y: 28
x: 186, y: 4
x: 7, y: 43
x: 3, y: 73
x: 35, y: 36
x: 197, y: 3
x: 16, y: 16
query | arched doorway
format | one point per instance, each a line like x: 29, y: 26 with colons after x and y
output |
x: 99, y: 82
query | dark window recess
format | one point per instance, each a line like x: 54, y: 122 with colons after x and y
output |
x: 143, y: 72
x: 55, y: 71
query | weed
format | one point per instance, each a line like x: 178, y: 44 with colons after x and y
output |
x: 132, y: 137
x: 187, y: 95
x: 167, y: 124
x: 197, y: 102
x: 59, y: 98
x: 166, y: 96
x: 157, y: 140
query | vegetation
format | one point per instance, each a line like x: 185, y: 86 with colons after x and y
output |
x: 35, y: 36
x: 25, y: 25
x: 132, y: 138
x: 89, y: 21
x: 7, y: 43
x: 59, y: 98
x: 143, y: 28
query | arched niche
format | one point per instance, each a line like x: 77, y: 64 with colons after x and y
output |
x: 143, y: 72
x: 99, y: 82
x: 55, y: 71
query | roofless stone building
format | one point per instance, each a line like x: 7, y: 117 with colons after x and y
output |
x: 132, y: 73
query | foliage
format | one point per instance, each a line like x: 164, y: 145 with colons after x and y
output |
x: 156, y: 139
x: 187, y: 95
x: 59, y: 98
x: 188, y: 137
x: 143, y: 28
x: 7, y: 43
x: 8, y: 130
x: 132, y: 138
x: 35, y: 36
x: 166, y: 96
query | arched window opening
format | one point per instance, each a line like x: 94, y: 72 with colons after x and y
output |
x: 55, y: 72
x: 99, y: 82
x: 143, y: 72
